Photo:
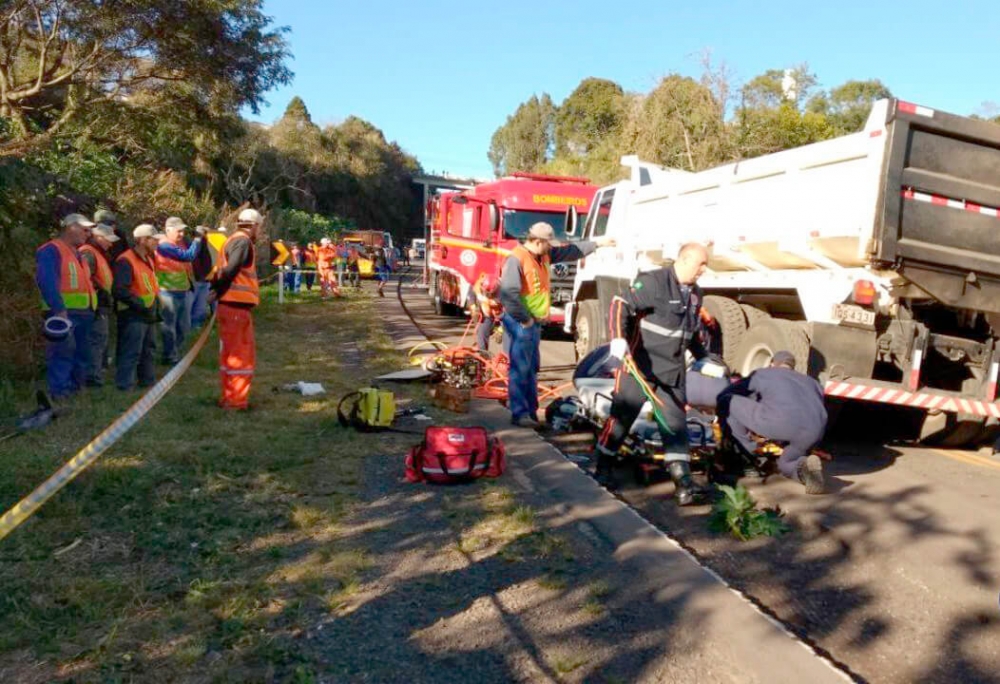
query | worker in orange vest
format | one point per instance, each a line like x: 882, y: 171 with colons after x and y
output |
x: 326, y: 257
x: 136, y: 290
x: 237, y: 291
x: 68, y: 300
x: 526, y: 297
x: 490, y: 309
x: 95, y: 254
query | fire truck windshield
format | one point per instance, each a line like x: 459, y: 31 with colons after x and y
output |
x: 516, y: 222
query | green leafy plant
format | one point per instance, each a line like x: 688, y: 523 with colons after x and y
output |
x: 737, y: 513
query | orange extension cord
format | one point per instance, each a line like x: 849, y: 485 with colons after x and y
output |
x: 492, y: 380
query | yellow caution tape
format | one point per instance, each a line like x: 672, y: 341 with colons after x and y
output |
x: 90, y: 453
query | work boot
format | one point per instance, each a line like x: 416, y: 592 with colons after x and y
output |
x: 687, y: 491
x: 604, y: 473
x: 526, y: 422
x: 810, y: 474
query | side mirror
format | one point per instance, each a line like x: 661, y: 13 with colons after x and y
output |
x: 572, y: 219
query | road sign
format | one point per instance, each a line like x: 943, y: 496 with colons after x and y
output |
x: 279, y: 253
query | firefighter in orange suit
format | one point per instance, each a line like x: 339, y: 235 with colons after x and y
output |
x: 236, y: 290
x: 326, y: 255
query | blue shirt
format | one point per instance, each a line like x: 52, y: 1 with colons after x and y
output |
x: 48, y: 266
x: 172, y: 251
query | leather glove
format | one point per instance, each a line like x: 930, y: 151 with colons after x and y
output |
x: 619, y: 347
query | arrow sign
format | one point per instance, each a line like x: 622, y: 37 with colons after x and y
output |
x: 279, y: 253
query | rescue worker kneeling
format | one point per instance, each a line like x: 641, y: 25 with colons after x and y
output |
x: 782, y: 405
x: 490, y: 309
x: 664, y: 304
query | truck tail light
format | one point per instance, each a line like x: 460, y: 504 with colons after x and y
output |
x: 864, y: 292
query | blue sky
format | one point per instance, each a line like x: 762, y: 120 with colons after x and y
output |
x: 439, y: 77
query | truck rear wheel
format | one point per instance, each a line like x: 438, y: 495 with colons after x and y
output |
x: 753, y: 314
x: 732, y: 326
x: 766, y: 338
x: 587, y: 330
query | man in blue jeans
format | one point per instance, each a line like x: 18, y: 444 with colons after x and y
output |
x: 176, y: 278
x: 67, y: 293
x: 526, y: 297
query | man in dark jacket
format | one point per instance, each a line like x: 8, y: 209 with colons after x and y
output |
x: 654, y: 322
x: 780, y: 404
x: 135, y: 291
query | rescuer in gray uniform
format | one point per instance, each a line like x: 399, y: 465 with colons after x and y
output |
x: 779, y: 404
x: 655, y: 321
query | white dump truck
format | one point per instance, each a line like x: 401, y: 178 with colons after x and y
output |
x: 874, y: 257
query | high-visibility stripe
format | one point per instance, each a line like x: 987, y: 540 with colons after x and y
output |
x: 237, y: 371
x: 949, y: 202
x: 659, y: 329
x: 902, y: 397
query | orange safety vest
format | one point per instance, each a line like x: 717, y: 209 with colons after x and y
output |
x: 103, y: 278
x: 144, y: 284
x: 75, y: 285
x: 244, y: 288
x: 173, y: 275
x: 536, y: 294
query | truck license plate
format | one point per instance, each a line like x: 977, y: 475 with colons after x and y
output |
x: 852, y: 314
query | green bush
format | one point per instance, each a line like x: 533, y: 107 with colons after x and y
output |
x: 737, y: 513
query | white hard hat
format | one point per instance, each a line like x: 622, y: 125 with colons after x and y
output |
x: 250, y: 216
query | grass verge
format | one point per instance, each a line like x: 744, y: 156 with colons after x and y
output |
x: 197, y: 547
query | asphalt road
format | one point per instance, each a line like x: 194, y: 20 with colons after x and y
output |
x: 896, y: 572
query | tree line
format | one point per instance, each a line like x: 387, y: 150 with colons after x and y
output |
x: 136, y: 107
x: 683, y: 123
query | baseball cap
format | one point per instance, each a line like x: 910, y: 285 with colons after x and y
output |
x: 78, y: 219
x: 783, y: 358
x: 249, y: 216
x: 101, y: 230
x: 104, y: 216
x: 174, y: 223
x: 542, y: 231
x: 144, y: 230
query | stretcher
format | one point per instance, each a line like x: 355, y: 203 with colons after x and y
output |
x: 711, y: 451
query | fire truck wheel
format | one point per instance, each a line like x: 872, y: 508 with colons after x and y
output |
x: 440, y: 308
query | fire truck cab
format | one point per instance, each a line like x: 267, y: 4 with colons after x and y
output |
x: 474, y: 231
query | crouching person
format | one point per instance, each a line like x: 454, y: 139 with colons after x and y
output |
x: 779, y: 404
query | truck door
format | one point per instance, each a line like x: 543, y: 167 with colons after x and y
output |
x: 597, y: 220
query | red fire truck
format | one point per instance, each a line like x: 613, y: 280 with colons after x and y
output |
x: 474, y: 231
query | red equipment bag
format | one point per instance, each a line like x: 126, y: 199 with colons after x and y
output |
x: 455, y: 454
